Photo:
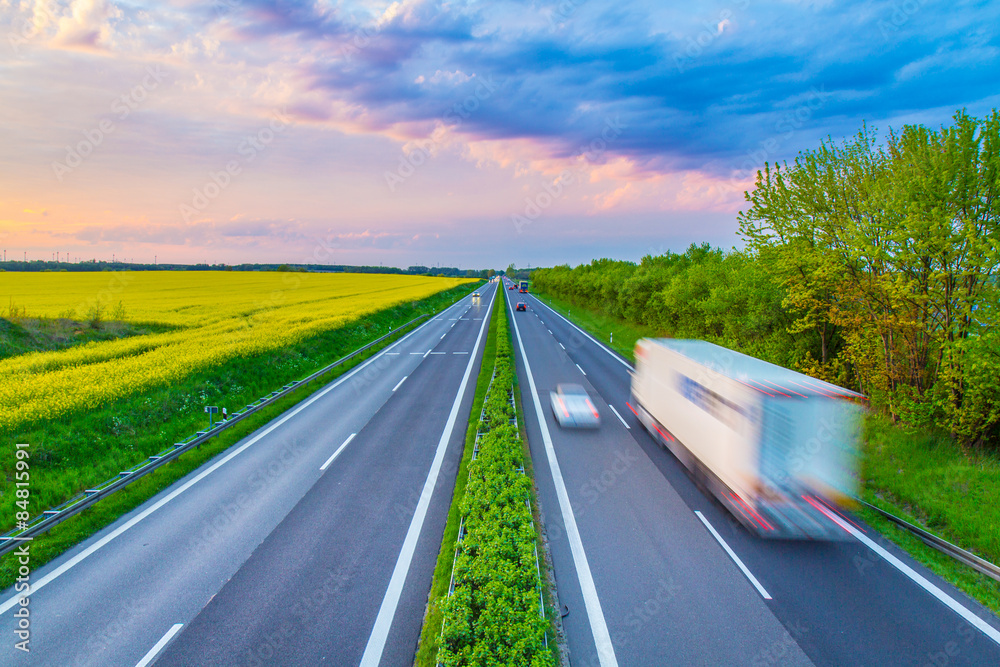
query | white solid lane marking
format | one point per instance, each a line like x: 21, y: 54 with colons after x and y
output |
x: 592, y: 604
x: 619, y: 417
x: 581, y: 370
x: 380, y: 631
x: 339, y: 450
x: 562, y: 346
x: 158, y: 646
x: 917, y: 578
x: 73, y: 562
x: 736, y: 559
x: 599, y: 343
x: 400, y: 382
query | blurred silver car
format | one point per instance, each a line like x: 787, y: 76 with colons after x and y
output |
x: 573, y: 408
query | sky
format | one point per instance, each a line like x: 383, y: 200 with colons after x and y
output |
x: 469, y: 134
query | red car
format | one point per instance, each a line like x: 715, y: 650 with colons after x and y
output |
x: 521, y: 306
x: 511, y: 287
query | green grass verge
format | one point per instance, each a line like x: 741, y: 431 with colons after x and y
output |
x: 430, y: 634
x: 617, y: 334
x: 52, y: 481
x: 926, y: 478
x: 919, y: 475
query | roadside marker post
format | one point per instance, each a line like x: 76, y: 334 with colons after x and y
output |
x: 211, y: 410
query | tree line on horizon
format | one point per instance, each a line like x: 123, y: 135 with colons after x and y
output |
x: 36, y: 265
x: 871, y: 264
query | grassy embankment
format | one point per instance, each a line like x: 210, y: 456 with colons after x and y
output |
x: 922, y: 476
x: 486, y: 632
x: 87, y: 447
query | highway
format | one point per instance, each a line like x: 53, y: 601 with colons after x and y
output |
x: 311, y: 541
x: 654, y: 572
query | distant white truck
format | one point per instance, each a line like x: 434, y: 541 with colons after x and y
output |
x: 777, y: 448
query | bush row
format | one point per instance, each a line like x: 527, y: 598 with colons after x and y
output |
x: 871, y: 263
x: 493, y: 616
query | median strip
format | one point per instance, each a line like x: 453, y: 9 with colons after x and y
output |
x: 495, y: 612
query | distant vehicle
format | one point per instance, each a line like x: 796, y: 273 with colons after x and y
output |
x: 510, y: 287
x: 521, y: 306
x: 572, y: 407
x: 524, y: 287
x: 475, y: 295
x: 777, y: 448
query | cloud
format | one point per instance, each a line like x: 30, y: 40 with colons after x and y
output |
x: 87, y: 27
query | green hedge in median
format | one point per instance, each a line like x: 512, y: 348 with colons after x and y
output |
x: 494, y: 615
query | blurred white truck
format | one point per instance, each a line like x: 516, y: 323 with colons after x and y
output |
x: 777, y: 448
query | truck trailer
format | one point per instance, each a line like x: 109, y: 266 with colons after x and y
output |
x: 778, y: 448
x: 523, y: 289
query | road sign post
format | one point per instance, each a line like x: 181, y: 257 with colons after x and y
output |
x: 211, y: 410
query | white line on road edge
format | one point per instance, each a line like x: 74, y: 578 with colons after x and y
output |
x: 581, y: 370
x: 339, y: 450
x: 75, y: 560
x: 400, y: 382
x: 158, y: 646
x: 619, y: 417
x: 387, y: 611
x: 917, y: 578
x: 599, y: 343
x: 598, y: 626
x: 732, y: 554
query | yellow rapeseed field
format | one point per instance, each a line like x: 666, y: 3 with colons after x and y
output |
x: 219, y: 315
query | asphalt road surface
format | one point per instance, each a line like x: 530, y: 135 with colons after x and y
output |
x: 647, y: 564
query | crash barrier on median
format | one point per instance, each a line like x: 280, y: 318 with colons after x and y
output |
x: 27, y: 530
x: 495, y: 610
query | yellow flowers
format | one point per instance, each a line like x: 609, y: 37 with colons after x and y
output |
x: 219, y: 316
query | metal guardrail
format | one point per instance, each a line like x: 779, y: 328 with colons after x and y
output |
x: 28, y: 530
x: 935, y: 542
